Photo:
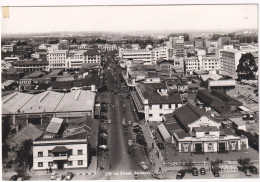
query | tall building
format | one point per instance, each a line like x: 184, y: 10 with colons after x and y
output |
x: 160, y: 53
x: 142, y: 55
x: 201, y: 63
x: 198, y: 42
x: 57, y: 59
x: 223, y: 41
x: 230, y: 58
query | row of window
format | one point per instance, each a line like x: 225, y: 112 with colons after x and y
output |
x: 79, y: 152
x: 70, y: 163
x: 161, y: 106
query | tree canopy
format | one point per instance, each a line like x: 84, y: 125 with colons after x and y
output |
x: 247, y: 67
x: 24, y: 154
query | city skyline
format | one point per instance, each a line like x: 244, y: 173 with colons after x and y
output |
x: 131, y: 18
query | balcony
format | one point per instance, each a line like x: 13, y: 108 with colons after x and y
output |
x: 60, y: 156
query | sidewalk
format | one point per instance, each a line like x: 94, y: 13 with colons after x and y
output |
x: 154, y: 153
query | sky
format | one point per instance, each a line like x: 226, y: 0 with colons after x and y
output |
x: 130, y: 18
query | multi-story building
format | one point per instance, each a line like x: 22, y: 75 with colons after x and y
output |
x: 57, y: 59
x: 31, y: 66
x: 77, y: 58
x: 11, y: 59
x: 10, y: 48
x: 61, y: 153
x: 152, y: 101
x: 198, y: 42
x: 223, y: 41
x: 107, y: 47
x: 142, y: 55
x: 83, y: 46
x: 201, y: 63
x: 192, y: 129
x: 160, y: 53
x: 230, y: 58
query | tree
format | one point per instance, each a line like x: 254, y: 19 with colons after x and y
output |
x: 5, y: 127
x: 244, y: 161
x: 216, y: 163
x: 5, y: 150
x: 247, y: 67
x: 188, y: 165
x: 24, y: 154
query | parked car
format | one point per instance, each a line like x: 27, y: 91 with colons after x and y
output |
x: 54, y: 176
x: 253, y: 169
x: 157, y: 175
x: 215, y: 172
x: 109, y: 121
x: 180, y: 174
x: 131, y: 152
x: 130, y: 143
x: 160, y: 146
x: 141, y: 142
x: 202, y: 171
x: 69, y: 175
x: 194, y: 171
x: 103, y: 117
x: 104, y: 135
x: 60, y: 177
x: 143, y: 165
x: 137, y: 127
x: 135, y: 130
x: 14, y: 178
x: 247, y: 172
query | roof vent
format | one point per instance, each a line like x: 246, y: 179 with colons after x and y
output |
x: 44, y: 95
x: 77, y: 95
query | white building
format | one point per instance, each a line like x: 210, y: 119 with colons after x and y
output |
x: 231, y: 59
x: 153, y: 101
x: 107, y: 47
x: 160, y: 53
x: 201, y: 63
x: 65, y: 153
x: 142, y: 55
x: 83, y: 46
x: 11, y: 59
x: 10, y: 48
x: 76, y: 60
x: 57, y: 59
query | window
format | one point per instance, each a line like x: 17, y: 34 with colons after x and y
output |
x: 160, y: 106
x: 170, y: 106
x: 161, y: 114
x: 150, y: 106
x: 185, y: 147
x: 80, y: 152
x: 40, y: 164
x: 40, y: 154
x: 150, y: 115
x: 70, y: 163
x: 49, y: 153
x: 50, y: 164
x: 80, y: 162
x: 70, y: 152
x: 176, y: 106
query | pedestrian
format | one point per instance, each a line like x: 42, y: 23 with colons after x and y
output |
x: 110, y: 166
x: 50, y: 170
x: 47, y: 170
x: 160, y: 169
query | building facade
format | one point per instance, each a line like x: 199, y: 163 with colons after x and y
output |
x: 57, y: 59
x: 60, y: 154
x: 230, y: 61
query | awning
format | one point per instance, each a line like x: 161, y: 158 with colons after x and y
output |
x: 164, y: 132
x: 60, y: 149
x: 137, y: 102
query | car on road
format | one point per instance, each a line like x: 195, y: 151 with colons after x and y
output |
x: 253, y: 169
x: 194, y: 171
x: 215, y: 172
x: 247, y: 172
x: 69, y: 175
x: 143, y: 165
x: 103, y: 117
x: 103, y: 147
x: 157, y: 175
x: 137, y: 127
x: 14, y: 178
x: 131, y: 152
x: 141, y: 142
x: 53, y: 176
x: 60, y: 177
x: 135, y: 130
x: 130, y: 143
x: 129, y: 123
x: 109, y: 121
x: 104, y: 135
x: 180, y: 174
x: 202, y: 171
x: 160, y: 146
